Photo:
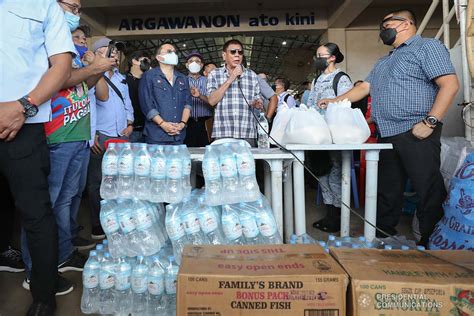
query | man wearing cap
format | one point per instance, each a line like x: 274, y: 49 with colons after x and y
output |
x: 165, y: 99
x: 114, y: 121
x: 196, y: 134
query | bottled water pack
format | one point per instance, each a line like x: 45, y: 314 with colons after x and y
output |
x: 123, y: 286
x: 133, y: 227
x: 193, y: 222
x: 229, y: 173
x: 148, y: 172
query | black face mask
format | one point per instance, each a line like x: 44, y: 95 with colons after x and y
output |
x: 388, y: 36
x: 144, y: 65
x: 320, y: 63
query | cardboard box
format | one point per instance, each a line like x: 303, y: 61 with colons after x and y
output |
x: 396, y: 282
x: 260, y: 280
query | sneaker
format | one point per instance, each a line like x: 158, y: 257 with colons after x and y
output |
x: 82, y: 244
x: 97, y: 233
x: 64, y: 285
x: 11, y: 261
x: 75, y: 262
x: 40, y: 309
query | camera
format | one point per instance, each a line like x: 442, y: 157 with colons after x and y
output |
x: 118, y: 45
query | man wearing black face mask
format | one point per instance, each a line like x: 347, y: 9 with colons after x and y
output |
x: 412, y: 89
x: 138, y: 64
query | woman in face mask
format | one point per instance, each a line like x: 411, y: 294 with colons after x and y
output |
x: 331, y: 83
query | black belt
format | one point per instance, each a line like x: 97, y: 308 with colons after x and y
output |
x: 200, y: 119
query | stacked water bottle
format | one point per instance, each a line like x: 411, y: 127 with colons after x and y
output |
x: 140, y: 285
x: 229, y: 172
x: 194, y: 222
x: 399, y: 242
x: 148, y: 172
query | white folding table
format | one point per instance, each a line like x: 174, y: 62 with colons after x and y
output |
x: 372, y: 158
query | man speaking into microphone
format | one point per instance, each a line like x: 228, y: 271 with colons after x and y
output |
x: 233, y: 117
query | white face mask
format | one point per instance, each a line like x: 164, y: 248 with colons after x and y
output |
x: 194, y: 67
x: 170, y: 59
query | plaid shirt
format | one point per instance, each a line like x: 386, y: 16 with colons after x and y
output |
x: 402, y: 84
x: 200, y: 108
x: 232, y: 117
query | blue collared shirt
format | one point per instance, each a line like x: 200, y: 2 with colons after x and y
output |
x: 402, y: 84
x: 112, y: 115
x: 200, y: 108
x: 31, y: 31
x: 158, y: 97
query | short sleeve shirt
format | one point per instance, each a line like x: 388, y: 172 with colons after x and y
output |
x: 31, y: 31
x: 402, y: 84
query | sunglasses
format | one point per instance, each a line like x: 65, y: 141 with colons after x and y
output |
x: 235, y: 51
x: 76, y: 10
x: 384, y: 25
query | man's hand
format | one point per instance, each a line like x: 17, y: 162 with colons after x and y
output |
x: 88, y: 58
x: 180, y: 126
x: 421, y: 131
x: 323, y: 103
x: 127, y: 131
x: 236, y: 73
x: 195, y: 92
x: 103, y: 64
x: 11, y: 119
x: 170, y: 128
x: 96, y: 148
x: 258, y: 103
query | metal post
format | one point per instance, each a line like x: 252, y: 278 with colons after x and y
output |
x: 267, y: 181
x: 372, y: 160
x: 345, y: 192
x: 300, y: 212
x: 466, y: 77
x: 277, y: 192
x: 449, y: 18
x: 446, y: 37
x: 288, y: 204
x: 427, y: 17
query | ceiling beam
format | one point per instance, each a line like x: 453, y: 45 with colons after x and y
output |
x: 122, y: 3
x: 343, y: 15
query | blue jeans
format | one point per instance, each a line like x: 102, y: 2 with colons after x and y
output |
x: 67, y: 168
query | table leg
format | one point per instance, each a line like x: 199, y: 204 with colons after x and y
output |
x: 345, y: 193
x: 193, y: 174
x: 276, y: 167
x: 300, y: 208
x: 267, y: 180
x: 288, y: 203
x: 372, y: 163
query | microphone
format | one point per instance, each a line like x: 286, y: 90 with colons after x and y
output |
x: 240, y: 76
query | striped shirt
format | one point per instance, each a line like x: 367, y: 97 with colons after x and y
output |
x: 200, y: 108
x: 232, y: 116
x: 402, y: 84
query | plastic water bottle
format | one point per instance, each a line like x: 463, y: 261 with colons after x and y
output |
x: 171, y: 278
x: 175, y: 229
x: 105, y: 244
x: 123, y: 296
x: 192, y: 228
x: 156, y: 287
x: 266, y: 223
x: 387, y: 247
x: 99, y: 249
x: 246, y: 169
x: 293, y: 239
x: 106, y: 283
x: 262, y: 130
x: 249, y: 226
x: 139, y: 286
x: 331, y: 241
x: 230, y: 179
x: 141, y: 169
x: 149, y: 242
x: 157, y: 227
x: 209, y: 220
x: 108, y: 186
x: 90, y: 281
x: 126, y: 217
x: 212, y: 175
x: 231, y: 226
x: 186, y: 170
x: 111, y: 226
x: 125, y: 172
x: 174, y: 172
x: 158, y: 175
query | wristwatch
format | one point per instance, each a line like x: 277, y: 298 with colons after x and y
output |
x: 30, y: 108
x: 431, y: 120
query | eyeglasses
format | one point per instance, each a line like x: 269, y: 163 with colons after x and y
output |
x: 235, y: 51
x: 319, y: 56
x: 76, y: 10
x: 383, y: 24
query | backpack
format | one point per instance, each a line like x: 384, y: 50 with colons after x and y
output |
x: 335, y: 81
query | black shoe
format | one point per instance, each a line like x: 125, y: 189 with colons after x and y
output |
x: 64, y: 286
x: 75, y: 262
x: 40, y: 309
x: 328, y: 225
x: 10, y: 261
x: 82, y: 244
x: 97, y: 233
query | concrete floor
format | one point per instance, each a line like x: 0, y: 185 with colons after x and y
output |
x: 14, y: 300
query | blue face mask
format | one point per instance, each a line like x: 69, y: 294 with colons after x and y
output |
x: 81, y: 50
x: 72, y: 20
